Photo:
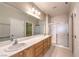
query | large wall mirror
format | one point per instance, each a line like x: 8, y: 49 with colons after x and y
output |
x: 16, y: 23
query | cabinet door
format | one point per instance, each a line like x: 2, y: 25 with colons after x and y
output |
x: 49, y: 42
x: 38, y: 49
x: 29, y: 52
x: 45, y: 45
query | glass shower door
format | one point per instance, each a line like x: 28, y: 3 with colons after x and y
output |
x: 62, y: 35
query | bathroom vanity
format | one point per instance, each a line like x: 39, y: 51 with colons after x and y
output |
x: 36, y: 50
x: 34, y: 46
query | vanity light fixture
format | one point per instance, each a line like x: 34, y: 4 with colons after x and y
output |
x: 34, y: 11
x: 39, y: 13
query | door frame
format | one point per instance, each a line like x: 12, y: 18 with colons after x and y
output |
x: 72, y: 18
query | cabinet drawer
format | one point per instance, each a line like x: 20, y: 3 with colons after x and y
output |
x: 29, y: 52
x: 49, y: 42
x: 40, y: 54
x: 38, y: 51
x: 46, y: 40
x: 45, y: 50
x: 45, y: 44
x: 38, y: 44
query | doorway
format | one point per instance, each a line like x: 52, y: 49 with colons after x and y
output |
x: 62, y: 35
x: 59, y: 33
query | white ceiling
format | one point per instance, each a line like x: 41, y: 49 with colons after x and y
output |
x: 49, y: 7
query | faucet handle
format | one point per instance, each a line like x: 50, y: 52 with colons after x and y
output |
x: 12, y: 37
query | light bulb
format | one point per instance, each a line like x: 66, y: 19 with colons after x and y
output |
x: 36, y: 11
x: 33, y: 9
x: 39, y: 13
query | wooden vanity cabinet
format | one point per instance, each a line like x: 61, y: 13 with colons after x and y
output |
x: 38, y: 49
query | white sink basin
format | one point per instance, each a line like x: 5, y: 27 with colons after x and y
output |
x: 15, y: 47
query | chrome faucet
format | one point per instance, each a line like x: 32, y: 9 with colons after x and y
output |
x: 14, y: 40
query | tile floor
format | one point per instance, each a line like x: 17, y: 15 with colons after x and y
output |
x: 55, y: 51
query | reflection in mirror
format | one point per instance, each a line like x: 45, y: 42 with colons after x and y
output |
x: 17, y: 23
x: 4, y: 31
x: 28, y: 29
x: 4, y: 24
